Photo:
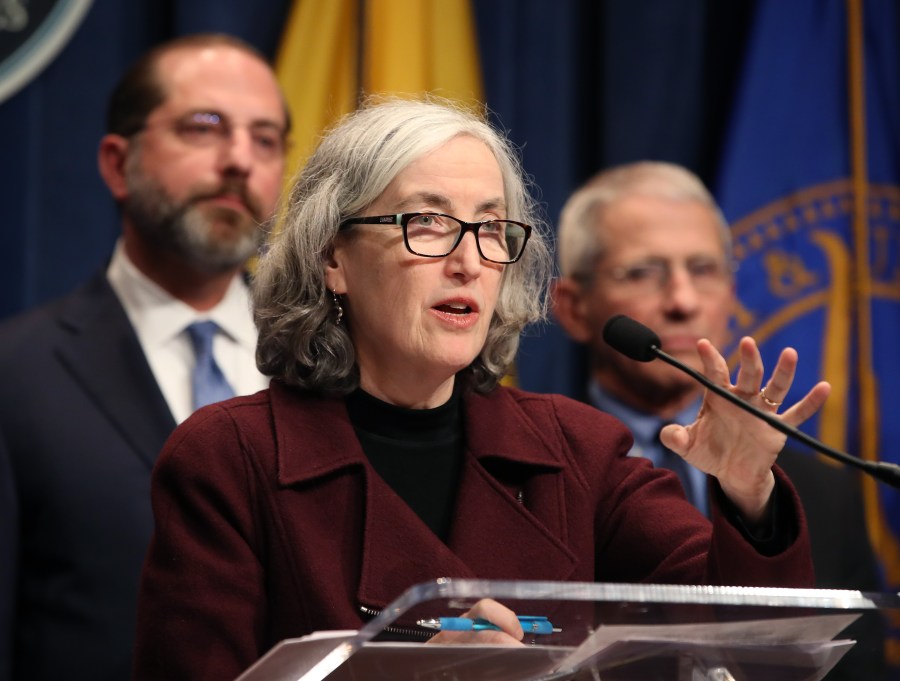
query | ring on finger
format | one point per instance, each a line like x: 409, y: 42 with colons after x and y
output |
x: 765, y: 398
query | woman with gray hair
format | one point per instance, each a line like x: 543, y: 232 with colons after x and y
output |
x: 384, y: 453
x: 353, y: 167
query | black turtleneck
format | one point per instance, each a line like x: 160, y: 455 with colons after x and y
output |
x: 418, y: 452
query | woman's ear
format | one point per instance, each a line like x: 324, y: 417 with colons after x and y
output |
x: 334, y: 271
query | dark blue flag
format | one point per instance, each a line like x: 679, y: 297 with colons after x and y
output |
x: 810, y: 180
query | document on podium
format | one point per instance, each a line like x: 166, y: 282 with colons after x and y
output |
x: 787, y: 649
x: 800, y: 648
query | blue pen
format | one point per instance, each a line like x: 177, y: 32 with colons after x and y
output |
x: 531, y: 624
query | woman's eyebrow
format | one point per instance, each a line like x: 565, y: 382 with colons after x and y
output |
x: 429, y: 198
x: 445, y: 204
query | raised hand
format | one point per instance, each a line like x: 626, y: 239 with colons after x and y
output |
x: 734, y: 446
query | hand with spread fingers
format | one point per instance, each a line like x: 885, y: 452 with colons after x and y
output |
x: 733, y: 445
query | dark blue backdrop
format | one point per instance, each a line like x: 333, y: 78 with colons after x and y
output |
x: 580, y: 84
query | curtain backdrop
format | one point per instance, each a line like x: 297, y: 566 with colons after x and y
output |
x: 579, y: 85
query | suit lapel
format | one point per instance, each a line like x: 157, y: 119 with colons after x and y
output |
x: 103, y: 354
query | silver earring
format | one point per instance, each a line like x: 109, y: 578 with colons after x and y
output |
x: 338, y: 310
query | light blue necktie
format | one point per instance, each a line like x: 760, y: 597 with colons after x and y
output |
x: 208, y: 383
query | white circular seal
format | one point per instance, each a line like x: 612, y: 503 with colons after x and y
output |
x: 32, y: 32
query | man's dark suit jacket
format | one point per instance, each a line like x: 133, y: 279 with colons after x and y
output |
x: 832, y: 498
x: 842, y: 555
x: 82, y: 421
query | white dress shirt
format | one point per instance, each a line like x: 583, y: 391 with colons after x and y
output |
x: 160, y: 321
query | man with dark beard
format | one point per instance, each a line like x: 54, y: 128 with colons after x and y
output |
x: 95, y: 382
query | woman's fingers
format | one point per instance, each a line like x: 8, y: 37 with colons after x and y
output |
x: 714, y: 366
x: 750, y: 372
x: 808, y: 406
x: 749, y: 382
x: 497, y: 614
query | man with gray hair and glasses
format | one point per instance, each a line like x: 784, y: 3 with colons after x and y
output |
x: 647, y: 240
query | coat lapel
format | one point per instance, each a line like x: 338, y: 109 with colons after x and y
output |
x: 396, y: 549
x: 102, y: 352
x: 494, y: 536
x: 513, y: 492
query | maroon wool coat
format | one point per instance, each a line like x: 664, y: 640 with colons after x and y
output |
x: 270, y: 523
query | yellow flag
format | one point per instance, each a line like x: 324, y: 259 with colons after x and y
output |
x: 331, y: 56
x: 316, y: 67
x: 418, y: 46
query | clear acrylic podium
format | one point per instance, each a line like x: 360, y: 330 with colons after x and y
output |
x: 609, y: 632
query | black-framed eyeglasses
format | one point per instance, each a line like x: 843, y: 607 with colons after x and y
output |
x: 436, y: 235
x: 210, y: 128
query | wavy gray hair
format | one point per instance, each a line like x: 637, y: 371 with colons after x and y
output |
x: 354, y: 163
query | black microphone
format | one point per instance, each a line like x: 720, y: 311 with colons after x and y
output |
x: 636, y: 341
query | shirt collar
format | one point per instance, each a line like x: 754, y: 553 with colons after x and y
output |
x: 645, y: 427
x: 158, y: 316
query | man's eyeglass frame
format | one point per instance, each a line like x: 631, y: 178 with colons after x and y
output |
x: 222, y: 129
